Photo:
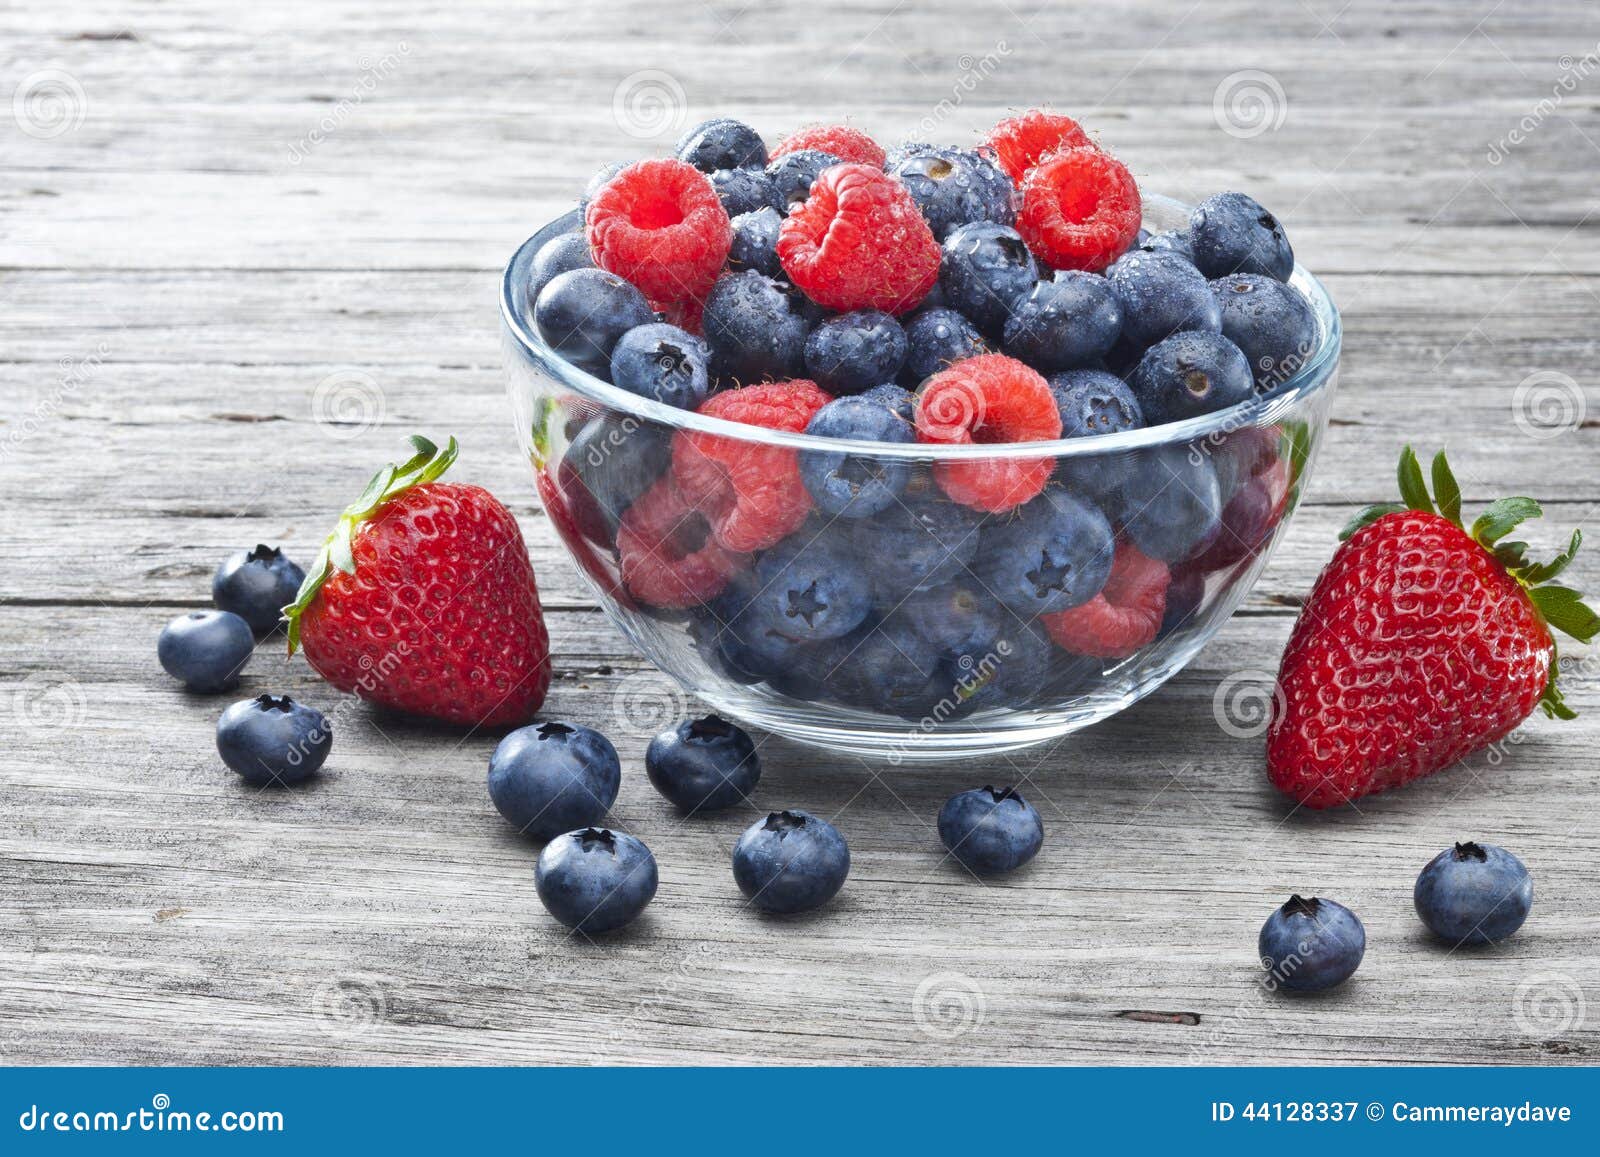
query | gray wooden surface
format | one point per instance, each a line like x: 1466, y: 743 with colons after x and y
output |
x: 245, y: 249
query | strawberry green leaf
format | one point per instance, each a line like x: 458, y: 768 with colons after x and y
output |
x: 1413, y: 490
x: 1296, y: 448
x: 1368, y: 515
x: 1512, y: 555
x: 1502, y: 516
x: 1564, y: 609
x: 1445, y: 489
x: 1545, y: 571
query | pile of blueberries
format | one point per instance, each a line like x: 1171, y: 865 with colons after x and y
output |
x: 889, y: 594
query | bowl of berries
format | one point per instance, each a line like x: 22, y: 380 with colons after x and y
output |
x: 915, y: 454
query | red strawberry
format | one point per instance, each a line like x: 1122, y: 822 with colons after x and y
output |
x: 423, y: 600
x: 1420, y: 643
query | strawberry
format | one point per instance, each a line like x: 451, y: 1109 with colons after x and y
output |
x: 1421, y: 642
x: 423, y: 599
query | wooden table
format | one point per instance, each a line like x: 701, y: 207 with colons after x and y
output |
x: 246, y: 250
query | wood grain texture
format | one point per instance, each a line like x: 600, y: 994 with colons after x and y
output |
x: 244, y: 207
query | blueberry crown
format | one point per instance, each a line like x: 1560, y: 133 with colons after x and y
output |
x: 1469, y: 851
x: 1298, y: 905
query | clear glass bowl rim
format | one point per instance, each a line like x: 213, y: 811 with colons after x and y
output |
x: 1312, y: 378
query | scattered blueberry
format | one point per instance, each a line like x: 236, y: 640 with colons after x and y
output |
x: 206, y: 650
x: 1474, y: 894
x: 1232, y: 233
x: 595, y: 880
x: 1066, y: 323
x: 991, y: 830
x: 745, y: 190
x: 1311, y: 945
x: 1051, y: 554
x: 755, y: 328
x: 954, y: 187
x: 853, y: 351
x: 1270, y: 322
x: 855, y: 485
x: 935, y: 338
x: 793, y: 173
x: 1161, y: 294
x: 1189, y: 374
x: 551, y: 778
x: 1168, y: 504
x: 985, y: 270
x: 273, y: 740
x: 583, y: 312
x: 556, y: 256
x: 808, y: 591
x: 663, y: 363
x: 256, y: 585
x: 755, y: 242
x: 790, y: 862
x: 722, y: 143
x: 1094, y: 402
x: 703, y: 764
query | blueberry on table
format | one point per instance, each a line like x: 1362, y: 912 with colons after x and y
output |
x: 1161, y: 294
x: 582, y: 313
x: 703, y: 764
x: 1190, y: 374
x: 206, y: 650
x: 855, y: 485
x: 1311, y: 945
x: 1474, y: 894
x: 722, y: 143
x: 556, y: 256
x: 1232, y: 233
x: 991, y: 830
x: 663, y: 363
x: 550, y: 778
x: 853, y: 351
x: 272, y: 740
x: 256, y: 585
x: 985, y: 269
x: 790, y: 862
x: 1270, y: 322
x: 1068, y: 322
x: 595, y: 880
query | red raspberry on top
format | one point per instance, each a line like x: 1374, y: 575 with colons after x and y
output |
x: 1021, y: 142
x: 1080, y: 210
x: 660, y: 225
x: 1123, y: 617
x: 989, y: 399
x: 841, y: 141
x: 666, y: 553
x: 859, y: 242
x: 750, y: 493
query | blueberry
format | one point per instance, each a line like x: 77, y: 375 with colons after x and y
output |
x: 1270, y: 322
x: 935, y: 338
x: 703, y: 764
x: 1232, y: 233
x: 663, y: 363
x: 793, y: 173
x: 553, y: 777
x: 722, y: 143
x: 1066, y: 323
x: 985, y: 270
x: 1007, y: 670
x: 1190, y: 374
x: 612, y: 461
x: 1248, y: 519
x: 808, y: 591
x: 1169, y: 504
x: 887, y: 667
x: 1172, y: 241
x: 1185, y: 595
x: 954, y: 187
x: 1094, y: 402
x: 755, y: 242
x: 745, y: 190
x: 848, y: 353
x: 583, y: 312
x: 556, y: 256
x: 790, y: 862
x: 755, y: 328
x: 206, y: 650
x: 855, y: 485
x: 990, y: 830
x: 897, y: 399
x: 920, y: 541
x: 256, y: 585
x: 1052, y: 554
x: 957, y: 617
x: 1474, y: 894
x: 1161, y: 294
x: 1311, y: 945
x: 595, y: 880
x: 273, y: 741
x: 599, y: 180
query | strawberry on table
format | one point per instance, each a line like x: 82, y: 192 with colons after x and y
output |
x: 1421, y: 642
x: 423, y: 600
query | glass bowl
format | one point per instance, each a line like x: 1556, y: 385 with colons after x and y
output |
x: 960, y: 652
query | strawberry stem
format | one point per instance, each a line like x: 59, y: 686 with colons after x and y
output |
x: 427, y: 464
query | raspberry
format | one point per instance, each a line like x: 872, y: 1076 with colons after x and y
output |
x: 859, y: 242
x: 988, y: 399
x: 668, y: 556
x: 841, y: 141
x: 1021, y: 142
x: 751, y: 494
x: 1123, y: 617
x: 660, y: 225
x: 1080, y: 210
